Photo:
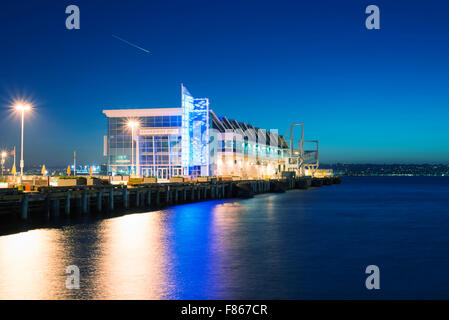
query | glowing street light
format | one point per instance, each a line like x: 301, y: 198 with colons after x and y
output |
x: 132, y: 124
x: 22, y: 107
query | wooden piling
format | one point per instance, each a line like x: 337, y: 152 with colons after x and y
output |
x: 158, y: 197
x: 137, y: 198
x: 47, y: 207
x: 67, y: 204
x: 55, y: 207
x: 111, y: 199
x: 167, y: 195
x: 149, y: 198
x: 84, y: 202
x: 99, y: 200
x: 24, y: 207
x: 125, y: 197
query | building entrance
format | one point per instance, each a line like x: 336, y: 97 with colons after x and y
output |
x: 162, y: 173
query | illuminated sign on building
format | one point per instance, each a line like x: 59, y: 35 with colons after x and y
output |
x: 195, y: 134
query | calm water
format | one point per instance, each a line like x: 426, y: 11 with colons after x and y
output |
x: 298, y: 245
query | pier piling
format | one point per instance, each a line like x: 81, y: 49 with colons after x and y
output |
x: 24, y: 207
x: 158, y: 198
x: 111, y: 199
x: 50, y: 201
x: 137, y: 199
x: 149, y: 198
x: 55, y: 209
x: 84, y: 203
x: 47, y: 207
x: 99, y: 200
x: 125, y: 197
x: 67, y: 204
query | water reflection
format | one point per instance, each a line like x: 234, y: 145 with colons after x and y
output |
x: 312, y: 244
x: 133, y: 260
x: 119, y: 258
x: 194, y: 258
x: 27, y: 263
x: 224, y: 242
x: 186, y: 252
x: 209, y: 250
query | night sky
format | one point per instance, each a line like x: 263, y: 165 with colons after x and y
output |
x: 377, y: 96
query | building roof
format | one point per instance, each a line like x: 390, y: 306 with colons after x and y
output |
x: 120, y: 113
x: 253, y: 133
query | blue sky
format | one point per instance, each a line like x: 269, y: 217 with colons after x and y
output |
x: 368, y: 95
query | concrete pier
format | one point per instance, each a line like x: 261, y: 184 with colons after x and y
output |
x: 50, y: 201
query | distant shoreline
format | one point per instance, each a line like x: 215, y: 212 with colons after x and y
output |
x: 388, y: 169
x: 389, y: 175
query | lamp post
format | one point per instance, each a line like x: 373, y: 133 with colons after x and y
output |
x: 22, y: 108
x: 132, y: 125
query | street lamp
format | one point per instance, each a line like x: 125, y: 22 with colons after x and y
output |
x: 21, y: 107
x: 132, y: 124
x: 4, y: 155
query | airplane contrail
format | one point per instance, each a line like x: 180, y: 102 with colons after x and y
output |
x: 131, y: 44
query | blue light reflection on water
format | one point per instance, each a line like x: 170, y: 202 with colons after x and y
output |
x: 298, y: 245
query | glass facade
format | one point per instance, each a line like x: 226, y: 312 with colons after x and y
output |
x: 155, y: 153
x: 119, y: 145
x: 161, y: 121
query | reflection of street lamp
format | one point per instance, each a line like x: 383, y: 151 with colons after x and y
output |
x: 20, y: 107
x: 132, y: 125
x: 4, y: 155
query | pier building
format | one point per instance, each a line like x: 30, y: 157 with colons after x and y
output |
x: 191, y: 140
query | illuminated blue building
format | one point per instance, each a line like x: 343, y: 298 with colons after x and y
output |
x: 189, y: 141
x: 195, y: 134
